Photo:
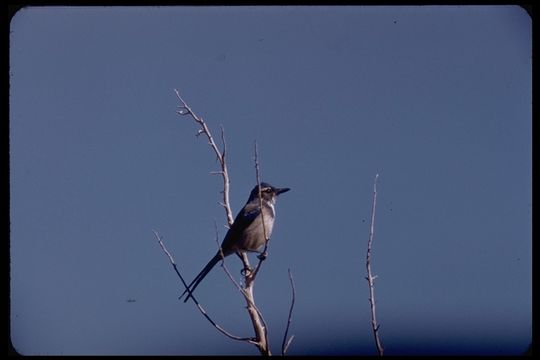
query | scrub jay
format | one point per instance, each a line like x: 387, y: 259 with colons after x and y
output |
x: 246, y: 233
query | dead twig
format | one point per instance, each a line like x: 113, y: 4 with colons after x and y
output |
x: 287, y: 342
x: 370, y: 278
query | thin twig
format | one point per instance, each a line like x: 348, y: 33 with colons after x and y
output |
x: 370, y: 278
x: 171, y: 259
x: 264, y: 253
x: 287, y: 342
x: 201, y: 309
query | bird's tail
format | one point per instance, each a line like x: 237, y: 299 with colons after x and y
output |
x: 191, y: 287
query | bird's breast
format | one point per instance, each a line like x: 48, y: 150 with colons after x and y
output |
x: 253, y: 236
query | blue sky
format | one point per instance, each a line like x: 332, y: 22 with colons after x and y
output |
x: 437, y: 100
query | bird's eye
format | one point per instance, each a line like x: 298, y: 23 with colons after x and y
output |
x: 267, y: 190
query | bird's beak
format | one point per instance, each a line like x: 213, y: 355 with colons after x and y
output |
x: 281, y: 190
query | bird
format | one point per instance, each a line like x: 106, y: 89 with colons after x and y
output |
x: 247, y: 233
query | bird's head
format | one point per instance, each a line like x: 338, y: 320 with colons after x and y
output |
x: 268, y: 192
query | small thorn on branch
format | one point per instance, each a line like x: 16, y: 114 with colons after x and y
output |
x: 371, y: 279
x: 182, y: 109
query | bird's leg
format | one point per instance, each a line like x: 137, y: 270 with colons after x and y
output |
x: 247, y: 270
x: 262, y: 256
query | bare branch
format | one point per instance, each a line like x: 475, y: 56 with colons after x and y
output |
x: 220, y: 155
x: 259, y: 325
x: 257, y: 319
x: 201, y: 309
x: 370, y: 278
x: 286, y: 343
x: 226, y: 181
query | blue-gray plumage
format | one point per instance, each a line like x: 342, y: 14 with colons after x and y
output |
x: 247, y: 232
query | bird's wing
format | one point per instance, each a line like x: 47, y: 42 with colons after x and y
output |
x: 248, y: 214
x: 244, y: 218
